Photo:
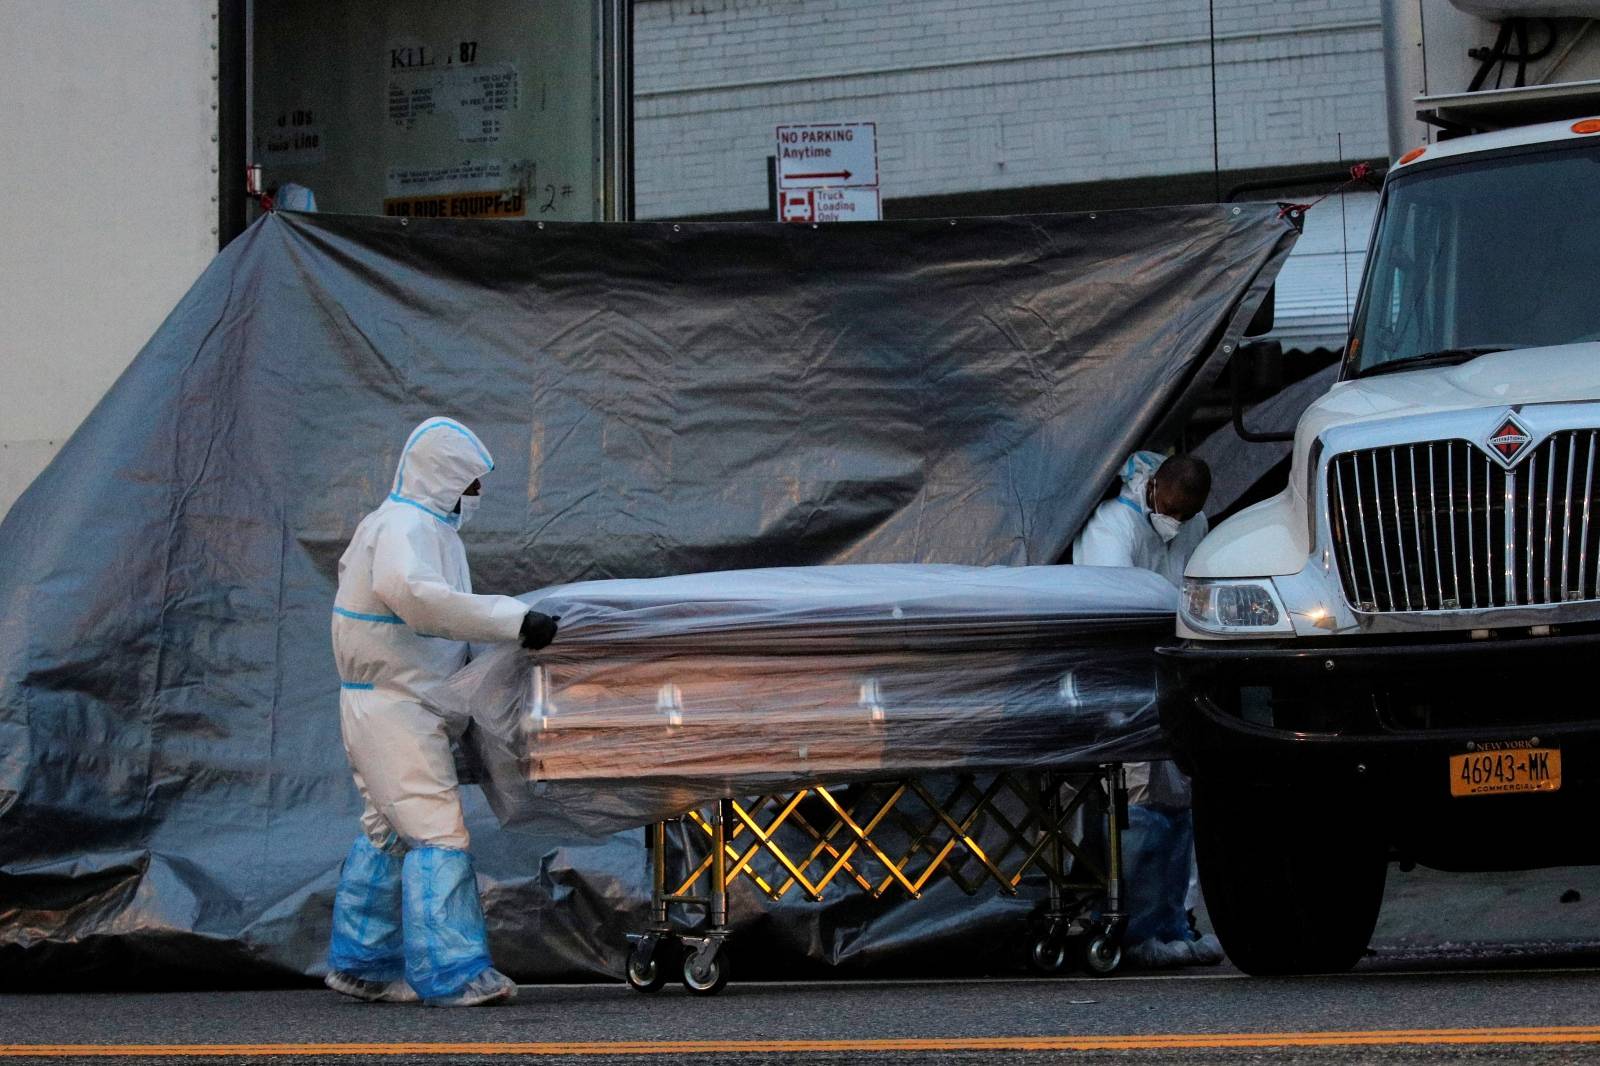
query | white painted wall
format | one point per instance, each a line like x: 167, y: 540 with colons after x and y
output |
x: 108, y: 213
x: 999, y: 94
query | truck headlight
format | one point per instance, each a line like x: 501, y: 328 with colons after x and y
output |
x: 1233, y: 607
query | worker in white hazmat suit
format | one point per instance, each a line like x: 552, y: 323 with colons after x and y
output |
x: 1155, y: 523
x: 407, y: 920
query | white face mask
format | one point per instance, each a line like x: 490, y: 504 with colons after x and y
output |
x: 1165, y: 525
x: 469, y: 507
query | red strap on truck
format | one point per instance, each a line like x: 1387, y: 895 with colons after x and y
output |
x: 1361, y: 173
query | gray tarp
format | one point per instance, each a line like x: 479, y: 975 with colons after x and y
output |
x: 661, y: 398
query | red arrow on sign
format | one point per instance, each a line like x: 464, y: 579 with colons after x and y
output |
x: 835, y: 174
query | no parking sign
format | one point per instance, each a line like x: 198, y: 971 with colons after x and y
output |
x: 828, y: 172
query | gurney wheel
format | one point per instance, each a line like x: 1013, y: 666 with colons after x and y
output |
x: 1049, y: 954
x: 1101, y: 953
x: 648, y: 977
x: 708, y: 979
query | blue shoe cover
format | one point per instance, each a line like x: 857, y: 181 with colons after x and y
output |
x: 367, y: 942
x: 370, y: 991
x: 446, y: 945
x: 489, y: 987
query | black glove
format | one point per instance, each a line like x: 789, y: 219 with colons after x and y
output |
x: 538, y: 630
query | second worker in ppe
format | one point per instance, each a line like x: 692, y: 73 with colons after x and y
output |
x: 1155, y: 523
x: 407, y: 920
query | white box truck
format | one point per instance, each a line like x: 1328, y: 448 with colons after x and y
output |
x: 1394, y: 659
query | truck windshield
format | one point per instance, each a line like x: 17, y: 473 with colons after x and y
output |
x: 1483, y: 255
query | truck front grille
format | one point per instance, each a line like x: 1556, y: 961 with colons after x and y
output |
x: 1440, y: 526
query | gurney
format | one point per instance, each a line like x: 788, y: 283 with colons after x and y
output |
x: 817, y: 730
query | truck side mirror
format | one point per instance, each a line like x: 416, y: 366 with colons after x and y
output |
x: 1262, y: 363
x: 1262, y: 321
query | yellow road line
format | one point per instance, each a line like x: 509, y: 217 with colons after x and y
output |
x: 1172, y: 1041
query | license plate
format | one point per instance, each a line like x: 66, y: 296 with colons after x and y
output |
x: 1488, y: 773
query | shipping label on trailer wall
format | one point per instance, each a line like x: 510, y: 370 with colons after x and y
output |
x: 473, y: 109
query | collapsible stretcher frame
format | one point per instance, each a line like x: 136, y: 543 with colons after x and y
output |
x: 882, y: 837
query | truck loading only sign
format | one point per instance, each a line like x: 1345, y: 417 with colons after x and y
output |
x: 828, y: 172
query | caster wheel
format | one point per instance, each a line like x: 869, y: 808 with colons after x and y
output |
x: 646, y: 977
x: 706, y: 979
x: 1101, y: 954
x: 1049, y: 955
x: 650, y: 963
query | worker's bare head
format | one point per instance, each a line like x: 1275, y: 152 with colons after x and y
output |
x: 1179, y: 487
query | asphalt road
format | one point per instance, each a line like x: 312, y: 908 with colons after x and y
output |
x: 1389, y: 1012
x: 1482, y: 969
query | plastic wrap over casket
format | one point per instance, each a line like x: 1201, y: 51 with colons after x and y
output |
x: 660, y: 694
x: 660, y: 398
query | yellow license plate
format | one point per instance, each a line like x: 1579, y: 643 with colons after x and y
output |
x: 1489, y: 773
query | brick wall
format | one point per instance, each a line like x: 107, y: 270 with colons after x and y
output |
x: 974, y: 95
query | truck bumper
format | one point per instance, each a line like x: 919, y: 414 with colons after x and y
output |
x: 1374, y: 728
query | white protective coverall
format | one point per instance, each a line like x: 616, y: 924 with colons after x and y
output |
x: 1159, y: 844
x: 1119, y: 532
x: 402, y: 618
